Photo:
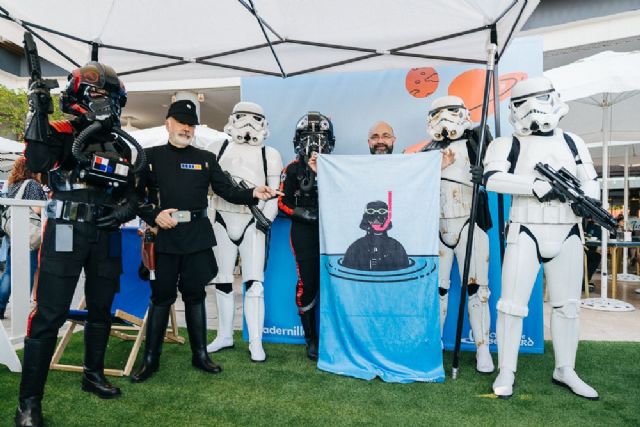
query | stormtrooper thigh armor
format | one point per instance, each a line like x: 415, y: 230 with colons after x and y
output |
x: 453, y: 235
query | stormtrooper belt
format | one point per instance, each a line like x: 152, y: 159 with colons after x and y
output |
x: 188, y: 216
x: 74, y: 211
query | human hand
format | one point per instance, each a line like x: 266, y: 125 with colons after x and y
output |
x: 448, y: 157
x: 313, y: 162
x: 165, y: 220
x: 264, y: 192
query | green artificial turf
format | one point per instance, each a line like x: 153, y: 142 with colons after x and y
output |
x: 289, y: 390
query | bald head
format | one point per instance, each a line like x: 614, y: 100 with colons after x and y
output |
x: 381, y: 138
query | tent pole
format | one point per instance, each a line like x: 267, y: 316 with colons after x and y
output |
x: 604, y: 277
x: 498, y: 133
x: 491, y: 56
x: 625, y: 206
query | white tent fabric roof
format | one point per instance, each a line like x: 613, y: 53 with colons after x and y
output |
x: 193, y: 32
x: 609, y: 78
x: 606, y: 72
x: 10, y: 146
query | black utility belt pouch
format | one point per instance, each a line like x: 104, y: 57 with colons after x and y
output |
x: 64, y: 238
x: 106, y: 171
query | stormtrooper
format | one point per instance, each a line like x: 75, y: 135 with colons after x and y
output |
x: 543, y: 229
x: 245, y: 158
x: 450, y: 127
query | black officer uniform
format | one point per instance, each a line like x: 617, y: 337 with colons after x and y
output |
x: 179, y: 178
x: 82, y: 231
x: 301, y: 205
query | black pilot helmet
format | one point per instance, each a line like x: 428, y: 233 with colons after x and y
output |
x: 314, y: 132
x: 94, y: 91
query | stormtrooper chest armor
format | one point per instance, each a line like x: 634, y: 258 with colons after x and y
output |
x: 456, y: 189
x: 245, y: 163
x: 554, y: 151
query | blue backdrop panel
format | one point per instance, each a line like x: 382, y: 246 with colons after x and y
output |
x: 354, y: 101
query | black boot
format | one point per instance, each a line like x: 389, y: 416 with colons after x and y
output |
x: 96, y: 336
x: 157, y: 320
x: 2, y: 310
x: 35, y: 368
x: 196, y: 318
x: 308, y: 319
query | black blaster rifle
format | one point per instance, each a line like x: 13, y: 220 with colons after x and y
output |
x: 40, y: 104
x: 262, y: 222
x: 568, y: 186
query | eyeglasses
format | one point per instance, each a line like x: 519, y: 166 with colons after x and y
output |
x: 385, y: 136
x: 381, y: 211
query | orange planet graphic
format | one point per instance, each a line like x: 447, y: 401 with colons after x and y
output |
x: 422, y: 82
x: 470, y: 87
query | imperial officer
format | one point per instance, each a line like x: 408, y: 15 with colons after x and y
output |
x: 175, y: 186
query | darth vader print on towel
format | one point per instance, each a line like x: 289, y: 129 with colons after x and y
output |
x: 376, y: 251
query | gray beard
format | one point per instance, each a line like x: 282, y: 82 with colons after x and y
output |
x: 181, y: 141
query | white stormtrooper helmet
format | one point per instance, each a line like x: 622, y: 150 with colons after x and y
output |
x: 247, y: 124
x: 448, y: 118
x: 535, y: 106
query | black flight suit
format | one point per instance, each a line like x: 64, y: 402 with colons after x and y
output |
x: 72, y: 241
x: 302, y: 207
x: 179, y: 178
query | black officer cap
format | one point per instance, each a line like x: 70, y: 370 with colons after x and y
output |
x: 184, y: 111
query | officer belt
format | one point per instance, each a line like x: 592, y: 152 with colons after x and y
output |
x: 188, y: 216
x: 74, y: 211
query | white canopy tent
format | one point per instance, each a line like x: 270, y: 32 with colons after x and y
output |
x: 159, y: 41
x: 150, y: 40
x: 10, y: 150
x: 10, y: 146
x: 597, y: 85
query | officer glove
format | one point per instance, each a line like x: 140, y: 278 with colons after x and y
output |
x: 545, y: 192
x: 306, y: 215
x: 477, y: 173
x: 119, y: 215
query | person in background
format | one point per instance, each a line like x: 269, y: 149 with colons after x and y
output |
x: 381, y: 138
x: 20, y: 176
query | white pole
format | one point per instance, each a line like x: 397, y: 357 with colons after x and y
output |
x: 604, y: 278
x: 625, y: 252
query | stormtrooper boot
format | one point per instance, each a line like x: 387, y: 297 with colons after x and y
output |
x: 254, y: 314
x: 226, y: 308
x: 509, y: 333
x: 479, y: 319
x: 565, y: 333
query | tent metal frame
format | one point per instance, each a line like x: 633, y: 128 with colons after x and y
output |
x: 364, y: 53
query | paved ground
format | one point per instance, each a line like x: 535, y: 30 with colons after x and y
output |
x: 595, y: 325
